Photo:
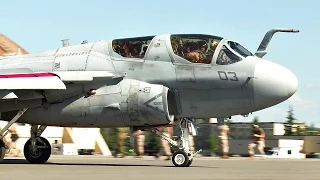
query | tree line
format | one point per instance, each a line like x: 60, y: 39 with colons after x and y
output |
x: 293, y: 127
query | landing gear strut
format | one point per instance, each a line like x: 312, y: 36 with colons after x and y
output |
x: 36, y: 150
x: 4, y: 132
x: 182, y: 156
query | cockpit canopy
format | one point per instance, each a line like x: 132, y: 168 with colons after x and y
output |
x: 232, y: 52
x: 132, y: 47
x: 198, y: 48
x: 184, y: 48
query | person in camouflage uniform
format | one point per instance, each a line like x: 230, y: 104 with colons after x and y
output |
x: 258, y: 140
x: 165, y: 149
x: 224, y: 132
x: 139, y: 139
x: 121, y: 134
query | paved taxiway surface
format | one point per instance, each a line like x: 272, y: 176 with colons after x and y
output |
x: 147, y: 168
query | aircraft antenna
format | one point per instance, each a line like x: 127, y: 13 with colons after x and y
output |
x: 65, y: 42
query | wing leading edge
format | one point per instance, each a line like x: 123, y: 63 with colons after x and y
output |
x: 86, y: 76
x: 39, y: 81
x: 11, y: 81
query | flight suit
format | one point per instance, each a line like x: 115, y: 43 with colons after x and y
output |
x: 258, y: 142
x: 121, y: 134
x: 223, y: 136
x: 139, y: 139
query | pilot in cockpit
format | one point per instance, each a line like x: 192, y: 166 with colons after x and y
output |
x: 213, y: 47
x: 177, y: 47
x: 199, y: 56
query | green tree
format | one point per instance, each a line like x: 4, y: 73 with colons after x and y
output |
x: 312, y: 129
x: 152, y: 143
x: 290, y: 117
x: 109, y: 136
x: 213, y: 144
x: 255, y: 120
x: 228, y: 121
x: 290, y: 121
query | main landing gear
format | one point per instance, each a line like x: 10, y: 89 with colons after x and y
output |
x: 182, y: 156
x: 37, y: 150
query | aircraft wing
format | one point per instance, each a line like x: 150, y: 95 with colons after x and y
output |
x: 86, y: 76
x: 23, y: 84
x: 42, y: 80
x: 15, y: 81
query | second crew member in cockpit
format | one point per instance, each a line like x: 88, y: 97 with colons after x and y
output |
x: 213, y: 47
x: 199, y: 56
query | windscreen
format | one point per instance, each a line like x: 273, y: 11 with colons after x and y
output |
x: 239, y: 49
x: 227, y: 57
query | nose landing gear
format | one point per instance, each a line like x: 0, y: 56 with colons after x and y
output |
x: 182, y: 156
x: 37, y: 149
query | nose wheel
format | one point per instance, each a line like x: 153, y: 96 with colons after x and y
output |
x: 181, y: 159
x: 37, y: 149
x: 37, y: 152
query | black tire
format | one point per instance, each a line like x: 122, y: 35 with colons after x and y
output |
x: 180, y: 159
x: 2, y: 150
x: 42, y: 155
x: 2, y: 153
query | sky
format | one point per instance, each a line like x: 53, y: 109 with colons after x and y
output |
x: 41, y: 25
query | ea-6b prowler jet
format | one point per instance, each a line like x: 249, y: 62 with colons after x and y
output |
x: 142, y: 83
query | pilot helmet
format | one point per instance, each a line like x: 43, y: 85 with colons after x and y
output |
x: 214, y: 44
x: 204, y: 45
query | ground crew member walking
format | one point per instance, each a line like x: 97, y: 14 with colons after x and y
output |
x: 121, y: 134
x: 224, y: 132
x: 258, y: 139
x: 165, y: 149
x: 139, y: 139
x: 191, y: 138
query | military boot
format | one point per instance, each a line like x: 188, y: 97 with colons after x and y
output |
x: 225, y: 156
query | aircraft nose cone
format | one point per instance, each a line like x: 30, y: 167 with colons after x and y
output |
x: 292, y: 83
x: 273, y: 84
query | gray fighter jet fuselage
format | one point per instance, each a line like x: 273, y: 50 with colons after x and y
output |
x: 154, y: 79
x: 141, y: 82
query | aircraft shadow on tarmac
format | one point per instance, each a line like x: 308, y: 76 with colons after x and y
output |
x: 23, y: 161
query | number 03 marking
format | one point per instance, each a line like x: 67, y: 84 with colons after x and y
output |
x: 232, y: 76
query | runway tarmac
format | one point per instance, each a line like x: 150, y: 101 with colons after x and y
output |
x: 149, y: 168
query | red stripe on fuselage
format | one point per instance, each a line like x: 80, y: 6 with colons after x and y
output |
x: 26, y: 75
